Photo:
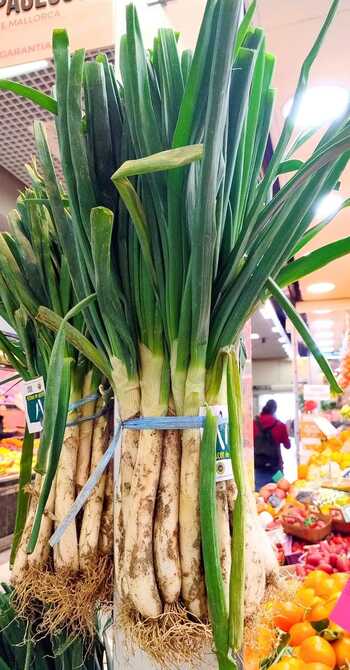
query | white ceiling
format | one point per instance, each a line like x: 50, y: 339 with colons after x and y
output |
x: 291, y: 26
x: 267, y: 346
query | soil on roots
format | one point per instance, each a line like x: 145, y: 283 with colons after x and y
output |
x: 63, y: 601
x: 174, y: 638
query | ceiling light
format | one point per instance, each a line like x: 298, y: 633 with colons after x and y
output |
x: 328, y: 205
x: 325, y: 335
x: 321, y: 287
x: 321, y: 311
x: 25, y: 68
x: 255, y: 336
x: 275, y: 329
x: 282, y: 340
x: 319, y: 105
x: 323, y: 323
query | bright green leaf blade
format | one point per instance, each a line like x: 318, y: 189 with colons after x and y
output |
x: 25, y: 477
x: 41, y: 99
x: 76, y: 339
x: 313, y: 261
x: 305, y: 334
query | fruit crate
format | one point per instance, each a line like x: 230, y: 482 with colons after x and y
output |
x: 310, y: 535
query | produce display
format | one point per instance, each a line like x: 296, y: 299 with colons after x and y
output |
x: 10, y: 456
x: 344, y: 372
x: 307, y: 638
x: 136, y: 283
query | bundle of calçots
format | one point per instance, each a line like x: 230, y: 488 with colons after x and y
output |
x: 33, y: 271
x: 172, y: 238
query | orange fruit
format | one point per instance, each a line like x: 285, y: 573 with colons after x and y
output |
x: 288, y: 663
x: 316, y: 601
x: 287, y: 614
x: 330, y: 604
x: 342, y: 651
x: 341, y: 579
x: 314, y: 579
x: 326, y: 587
x: 300, y: 632
x: 316, y: 649
x: 316, y: 666
x: 318, y: 613
x: 251, y: 659
x: 305, y: 597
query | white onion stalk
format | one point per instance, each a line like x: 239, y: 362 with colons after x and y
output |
x: 127, y: 393
x: 105, y: 543
x: 85, y: 433
x: 90, y: 528
x: 41, y: 553
x: 166, y: 523
x: 21, y: 560
x: 139, y: 563
x: 66, y: 552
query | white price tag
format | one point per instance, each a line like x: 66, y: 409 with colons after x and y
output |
x: 34, y: 398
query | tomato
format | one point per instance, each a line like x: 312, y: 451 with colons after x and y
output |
x: 305, y: 597
x: 287, y: 614
x: 342, y: 651
x: 316, y: 649
x: 300, y: 632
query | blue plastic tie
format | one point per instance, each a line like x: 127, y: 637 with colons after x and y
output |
x: 143, y: 423
x: 84, y: 401
x: 88, y: 488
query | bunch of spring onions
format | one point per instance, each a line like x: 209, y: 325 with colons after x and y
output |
x: 34, y: 272
x: 172, y: 237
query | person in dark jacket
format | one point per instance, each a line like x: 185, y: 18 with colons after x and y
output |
x: 269, y: 434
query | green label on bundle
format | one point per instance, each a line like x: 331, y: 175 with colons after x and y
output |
x: 34, y: 399
x: 223, y: 452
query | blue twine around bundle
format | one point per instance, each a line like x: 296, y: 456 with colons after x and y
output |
x: 80, y: 403
x: 142, y: 423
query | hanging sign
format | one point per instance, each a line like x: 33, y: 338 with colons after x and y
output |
x: 26, y: 27
x: 317, y: 392
x: 34, y: 398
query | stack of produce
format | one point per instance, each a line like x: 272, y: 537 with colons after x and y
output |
x: 307, y: 638
x: 344, y: 372
x: 168, y: 260
x: 330, y: 556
